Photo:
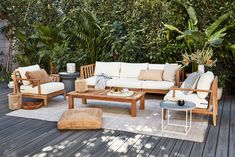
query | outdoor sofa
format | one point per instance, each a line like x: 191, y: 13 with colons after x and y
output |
x: 125, y: 75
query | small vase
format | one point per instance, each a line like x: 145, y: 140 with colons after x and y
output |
x: 201, y: 68
x: 71, y: 67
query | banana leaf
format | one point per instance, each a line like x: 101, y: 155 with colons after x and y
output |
x: 215, y: 25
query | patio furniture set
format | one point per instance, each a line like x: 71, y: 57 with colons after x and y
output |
x: 200, y: 97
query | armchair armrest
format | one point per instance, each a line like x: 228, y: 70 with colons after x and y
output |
x: 55, y: 77
x: 87, y: 71
x: 189, y: 89
x: 39, y: 84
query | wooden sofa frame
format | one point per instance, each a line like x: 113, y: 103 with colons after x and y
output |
x: 18, y: 82
x: 212, y: 109
x: 88, y: 71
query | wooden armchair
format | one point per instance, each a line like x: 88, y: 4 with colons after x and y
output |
x: 212, y: 108
x: 41, y: 91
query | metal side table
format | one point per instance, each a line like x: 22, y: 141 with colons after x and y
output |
x: 172, y: 105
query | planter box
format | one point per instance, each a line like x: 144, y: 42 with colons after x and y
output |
x: 14, y: 101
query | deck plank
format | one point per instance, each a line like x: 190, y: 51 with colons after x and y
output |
x: 210, y: 143
x: 21, y: 136
x: 223, y: 137
x: 232, y: 129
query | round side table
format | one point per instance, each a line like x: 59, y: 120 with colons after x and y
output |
x: 173, y: 106
x: 69, y: 80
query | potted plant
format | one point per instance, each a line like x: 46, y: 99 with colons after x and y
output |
x: 221, y: 84
x: 201, y: 58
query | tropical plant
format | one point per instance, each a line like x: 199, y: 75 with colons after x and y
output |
x: 213, y: 36
x: 80, y: 28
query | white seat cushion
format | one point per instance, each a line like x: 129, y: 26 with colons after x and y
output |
x: 164, y: 85
x: 46, y: 88
x: 126, y: 83
x: 91, y: 81
x: 111, y: 69
x: 179, y: 95
x: 156, y: 66
x: 23, y: 70
x: 132, y: 70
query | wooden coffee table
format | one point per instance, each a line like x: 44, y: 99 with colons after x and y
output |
x: 102, y: 95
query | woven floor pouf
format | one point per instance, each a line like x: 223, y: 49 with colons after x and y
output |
x: 81, y: 118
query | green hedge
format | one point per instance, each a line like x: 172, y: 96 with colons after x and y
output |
x: 130, y: 30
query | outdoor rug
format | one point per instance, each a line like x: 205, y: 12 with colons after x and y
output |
x: 116, y: 116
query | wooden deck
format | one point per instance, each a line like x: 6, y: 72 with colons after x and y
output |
x: 20, y: 137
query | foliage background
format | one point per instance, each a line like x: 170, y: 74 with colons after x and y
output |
x: 131, y: 30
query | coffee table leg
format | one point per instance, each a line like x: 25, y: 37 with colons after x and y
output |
x: 71, y: 102
x: 84, y: 101
x: 133, y: 109
x: 142, y: 103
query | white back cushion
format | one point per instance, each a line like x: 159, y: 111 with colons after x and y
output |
x: 170, y: 72
x: 132, y: 70
x: 204, y: 83
x: 111, y: 69
x: 23, y: 70
x: 157, y: 66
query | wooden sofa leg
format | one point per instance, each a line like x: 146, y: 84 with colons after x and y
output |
x: 214, y: 119
x: 64, y: 95
x: 45, y: 102
x: 164, y: 114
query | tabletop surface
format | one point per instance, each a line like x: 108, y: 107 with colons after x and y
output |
x: 172, y: 105
x: 103, y: 94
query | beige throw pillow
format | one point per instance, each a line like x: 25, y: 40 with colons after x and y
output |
x: 170, y: 72
x: 39, y: 75
x: 151, y: 75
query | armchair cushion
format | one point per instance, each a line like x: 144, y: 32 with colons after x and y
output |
x: 191, y: 82
x: 46, y: 88
x: 132, y: 70
x: 179, y: 95
x: 23, y: 70
x: 170, y: 72
x: 109, y: 68
x: 38, y: 74
x: 204, y: 83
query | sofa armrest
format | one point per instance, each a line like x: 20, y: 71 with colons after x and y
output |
x: 87, y: 71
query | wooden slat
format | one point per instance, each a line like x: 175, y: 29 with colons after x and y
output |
x: 158, y: 147
x: 145, y: 146
x: 97, y: 144
x: 231, y: 145
x: 186, y: 148
x: 223, y: 137
x: 210, y: 146
x: 175, y: 151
